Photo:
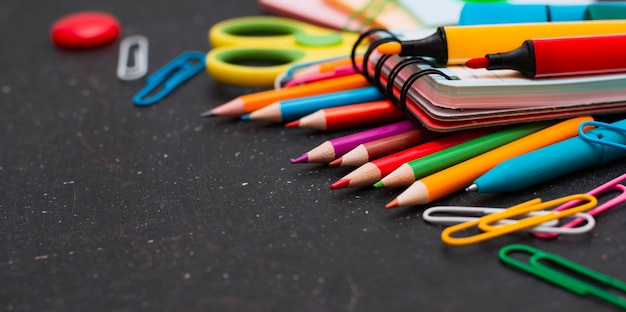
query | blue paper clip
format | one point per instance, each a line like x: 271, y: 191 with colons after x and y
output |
x: 598, y: 124
x: 179, y: 70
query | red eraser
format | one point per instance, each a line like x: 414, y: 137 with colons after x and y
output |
x: 85, y: 30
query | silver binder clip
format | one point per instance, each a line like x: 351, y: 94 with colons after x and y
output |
x: 137, y: 66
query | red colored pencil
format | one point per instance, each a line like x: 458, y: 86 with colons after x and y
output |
x: 371, y: 172
x: 350, y: 116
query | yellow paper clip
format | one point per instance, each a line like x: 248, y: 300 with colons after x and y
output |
x: 491, y: 231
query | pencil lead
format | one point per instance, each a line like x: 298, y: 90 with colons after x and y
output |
x: 336, y: 162
x: 379, y: 184
x: 472, y: 188
x: 302, y: 159
x: 392, y: 204
x: 342, y: 183
x: 208, y: 113
x: 293, y: 124
x: 245, y: 117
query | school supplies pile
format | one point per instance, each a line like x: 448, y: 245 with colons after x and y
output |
x: 414, y: 92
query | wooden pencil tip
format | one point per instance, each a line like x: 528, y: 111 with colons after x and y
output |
x: 392, y: 204
x: 336, y: 162
x: 342, y: 183
x: 302, y: 159
x: 293, y: 124
x: 208, y: 113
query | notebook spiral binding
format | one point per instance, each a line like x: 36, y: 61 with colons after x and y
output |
x: 375, y: 80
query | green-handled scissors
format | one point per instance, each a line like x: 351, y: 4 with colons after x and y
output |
x: 239, y: 43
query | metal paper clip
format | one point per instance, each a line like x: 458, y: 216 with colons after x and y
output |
x: 492, y: 231
x: 598, y: 124
x: 168, y: 77
x: 613, y: 185
x: 535, y: 266
x: 465, y: 214
x: 139, y: 45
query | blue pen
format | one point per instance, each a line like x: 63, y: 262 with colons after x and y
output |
x: 553, y: 161
x: 500, y: 13
x: 289, y: 110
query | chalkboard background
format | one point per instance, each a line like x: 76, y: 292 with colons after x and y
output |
x: 106, y: 206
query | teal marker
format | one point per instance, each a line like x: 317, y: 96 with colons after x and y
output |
x: 502, y: 13
x: 553, y: 161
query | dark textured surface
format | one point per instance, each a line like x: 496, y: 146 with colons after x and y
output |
x: 105, y: 206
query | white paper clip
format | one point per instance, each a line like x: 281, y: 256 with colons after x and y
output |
x: 137, y: 66
x: 459, y: 214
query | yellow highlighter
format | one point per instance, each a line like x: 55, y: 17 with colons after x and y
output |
x: 457, y: 44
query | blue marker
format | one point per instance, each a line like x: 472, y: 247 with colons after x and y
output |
x: 289, y: 110
x: 553, y: 161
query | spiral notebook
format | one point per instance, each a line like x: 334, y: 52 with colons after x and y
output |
x: 455, y: 97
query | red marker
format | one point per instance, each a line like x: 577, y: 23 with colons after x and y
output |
x: 564, y: 56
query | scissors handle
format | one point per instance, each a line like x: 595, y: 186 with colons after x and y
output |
x: 253, y: 51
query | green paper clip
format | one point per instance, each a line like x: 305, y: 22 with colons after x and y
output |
x: 170, y: 76
x: 547, y: 272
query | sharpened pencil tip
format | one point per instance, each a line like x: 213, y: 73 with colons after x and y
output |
x: 342, y: 183
x: 302, y: 159
x: 245, y: 117
x: 472, y: 188
x: 293, y: 124
x: 379, y: 184
x: 208, y: 113
x: 392, y: 204
x: 336, y: 162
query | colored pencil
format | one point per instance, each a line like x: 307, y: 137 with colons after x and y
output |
x: 337, y: 72
x: 289, y: 110
x: 325, y: 66
x: 459, y: 176
x: 371, y: 172
x: 334, y: 148
x: 381, y: 147
x: 349, y: 116
x: 251, y: 102
x: 407, y: 173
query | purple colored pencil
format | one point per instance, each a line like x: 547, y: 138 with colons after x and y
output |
x: 334, y: 148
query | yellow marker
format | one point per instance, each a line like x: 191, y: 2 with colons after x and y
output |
x: 457, y: 44
x: 587, y: 202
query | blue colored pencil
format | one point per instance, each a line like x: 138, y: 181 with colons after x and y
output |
x: 290, y: 110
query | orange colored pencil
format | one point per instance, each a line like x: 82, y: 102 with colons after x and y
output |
x: 251, y: 102
x: 350, y: 116
x: 457, y: 177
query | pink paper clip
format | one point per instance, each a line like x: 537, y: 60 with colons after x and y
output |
x: 613, y: 185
